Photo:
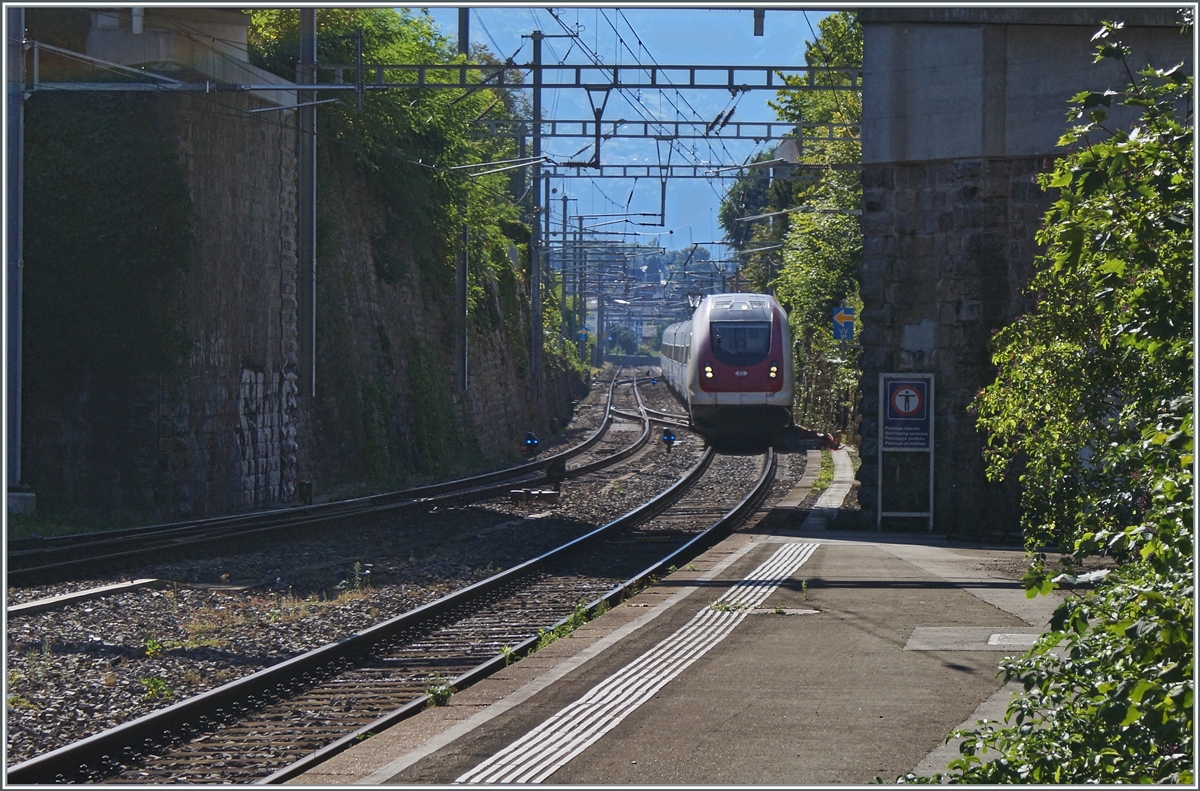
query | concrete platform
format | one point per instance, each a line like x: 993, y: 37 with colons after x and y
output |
x: 851, y: 657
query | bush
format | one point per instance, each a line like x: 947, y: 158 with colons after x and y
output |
x: 1094, y: 395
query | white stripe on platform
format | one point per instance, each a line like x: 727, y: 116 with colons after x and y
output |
x: 547, y: 748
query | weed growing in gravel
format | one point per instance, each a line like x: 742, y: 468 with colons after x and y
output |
x: 200, y: 641
x: 577, y: 619
x: 37, y: 662
x: 20, y: 702
x: 155, y: 688
x: 154, y: 648
x: 825, y: 476
x: 14, y: 677
x: 212, y: 619
x: 191, y: 676
x: 438, y: 694
x: 358, y: 582
x: 109, y: 680
x: 346, y: 598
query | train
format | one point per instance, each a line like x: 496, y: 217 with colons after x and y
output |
x: 732, y: 365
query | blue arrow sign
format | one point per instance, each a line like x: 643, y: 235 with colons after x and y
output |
x: 843, y: 324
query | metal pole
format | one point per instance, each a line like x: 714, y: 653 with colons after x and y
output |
x: 306, y: 208
x: 15, y: 221
x: 464, y: 31
x: 461, y: 305
x: 535, y: 246
x: 562, y: 269
x: 601, y: 338
x: 547, y: 246
x: 581, y: 284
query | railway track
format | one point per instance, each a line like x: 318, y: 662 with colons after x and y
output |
x: 275, y: 723
x: 53, y: 559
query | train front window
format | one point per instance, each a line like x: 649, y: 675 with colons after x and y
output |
x: 741, y: 342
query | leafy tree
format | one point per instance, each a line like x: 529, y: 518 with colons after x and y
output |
x: 408, y: 147
x: 1094, y: 396
x: 817, y: 268
x: 623, y: 339
x: 404, y: 143
x: 749, y: 195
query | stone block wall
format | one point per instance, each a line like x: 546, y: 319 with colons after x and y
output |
x: 385, y: 348
x: 948, y: 247
x: 229, y: 427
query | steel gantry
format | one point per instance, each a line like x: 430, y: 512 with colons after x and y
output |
x: 323, y: 83
x: 757, y: 131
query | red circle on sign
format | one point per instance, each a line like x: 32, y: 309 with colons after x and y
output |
x: 906, y: 401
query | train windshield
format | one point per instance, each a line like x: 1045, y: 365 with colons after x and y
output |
x: 741, y: 342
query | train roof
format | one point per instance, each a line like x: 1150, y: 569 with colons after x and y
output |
x: 738, y: 307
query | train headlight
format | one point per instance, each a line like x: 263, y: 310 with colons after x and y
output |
x: 708, y: 372
x: 774, y: 370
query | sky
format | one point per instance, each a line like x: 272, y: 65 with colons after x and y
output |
x: 668, y: 36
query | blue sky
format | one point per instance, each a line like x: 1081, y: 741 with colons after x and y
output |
x: 670, y: 36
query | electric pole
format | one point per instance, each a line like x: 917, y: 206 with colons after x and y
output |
x: 18, y: 499
x: 535, y: 224
x: 306, y: 208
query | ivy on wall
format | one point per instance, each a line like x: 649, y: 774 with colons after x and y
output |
x: 392, y: 170
x: 108, y: 236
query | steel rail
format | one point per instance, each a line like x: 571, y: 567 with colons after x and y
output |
x: 656, y: 417
x: 74, y: 760
x: 620, y: 455
x: 719, y: 529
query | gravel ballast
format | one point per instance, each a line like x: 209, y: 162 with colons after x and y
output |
x: 85, y: 667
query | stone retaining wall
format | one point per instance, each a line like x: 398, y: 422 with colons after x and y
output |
x: 948, y: 246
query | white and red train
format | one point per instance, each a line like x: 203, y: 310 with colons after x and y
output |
x: 732, y: 364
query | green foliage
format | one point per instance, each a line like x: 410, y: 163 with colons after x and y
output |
x: 407, y: 147
x: 821, y: 261
x: 1094, y: 395
x: 751, y: 194
x: 577, y: 619
x: 818, y: 268
x: 437, y: 436
x: 108, y: 235
x: 155, y: 688
x: 825, y: 474
x: 438, y: 694
x: 360, y: 580
x: 379, y: 432
x: 838, y: 45
x: 623, y: 340
x: 405, y: 143
x: 1094, y: 385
